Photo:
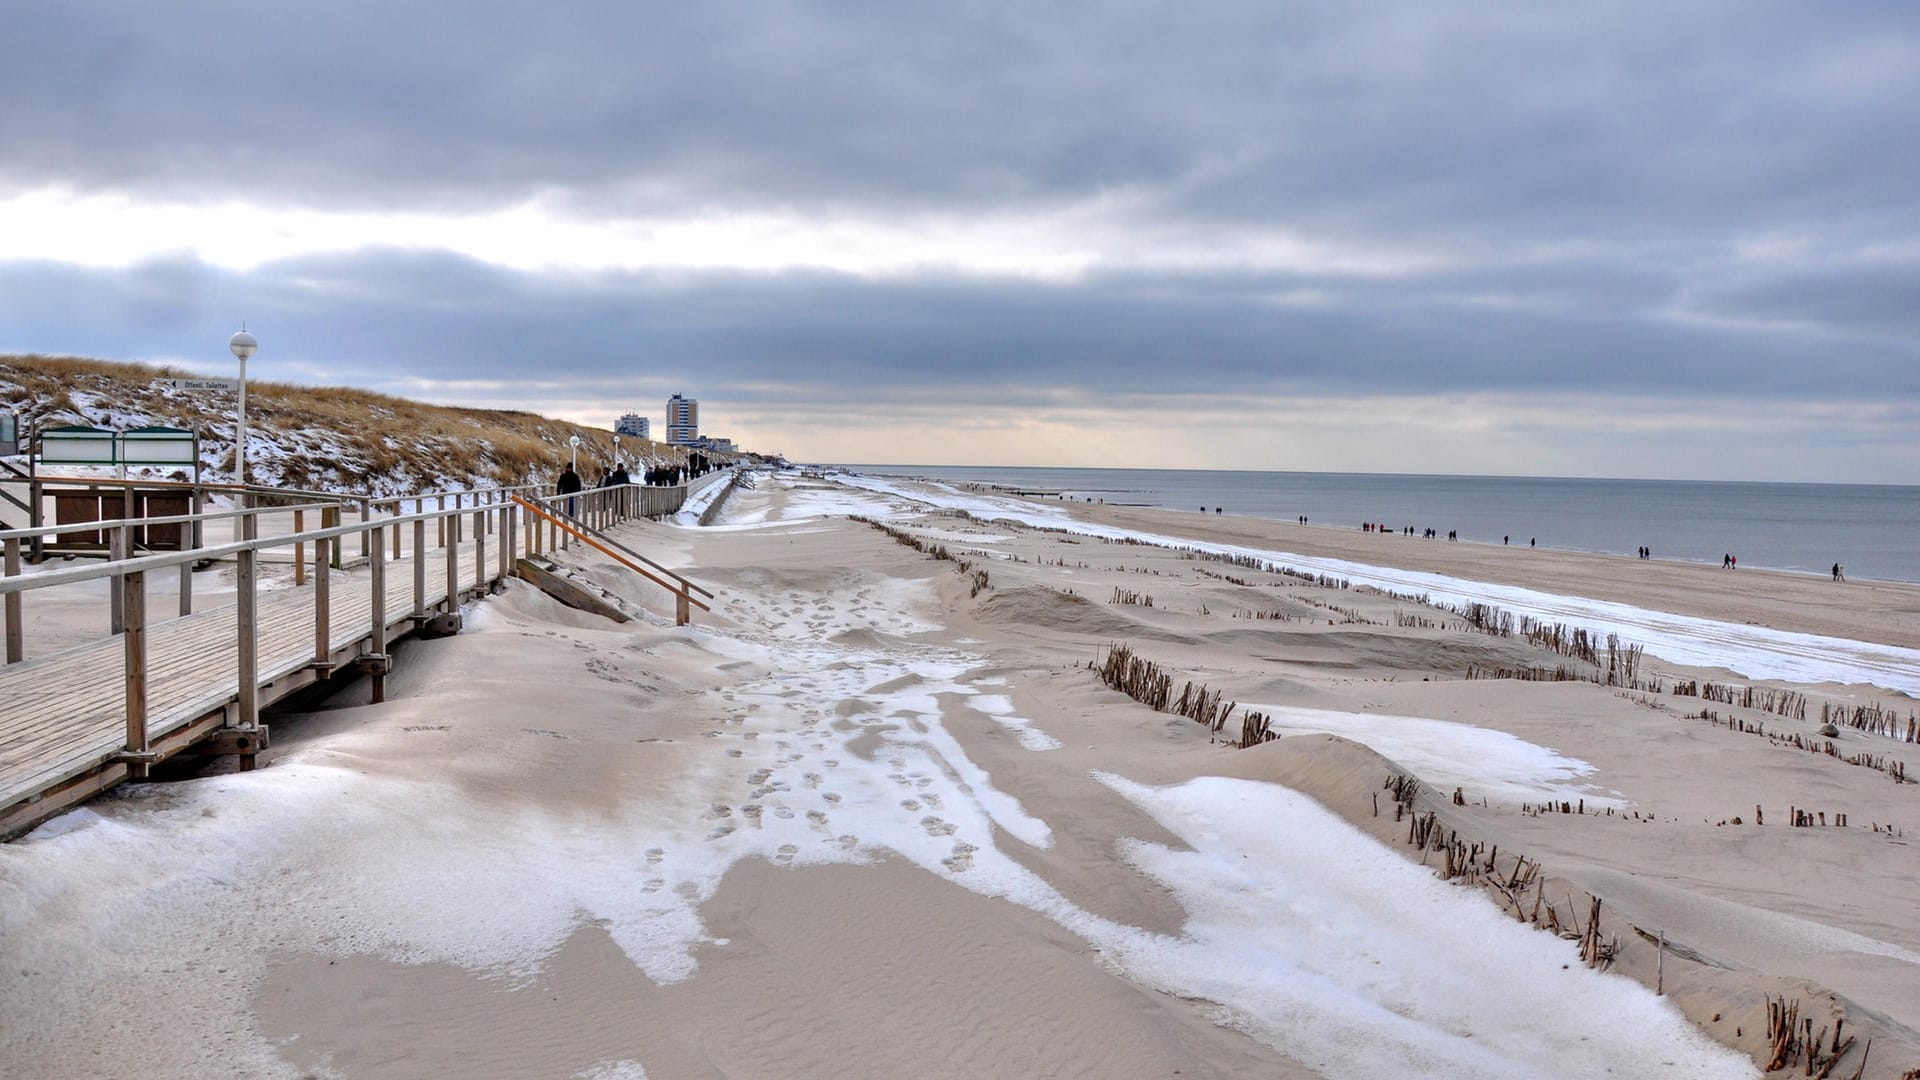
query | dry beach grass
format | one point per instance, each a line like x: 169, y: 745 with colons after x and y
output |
x: 335, y: 438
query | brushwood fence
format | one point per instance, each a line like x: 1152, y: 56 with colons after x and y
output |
x: 1147, y: 683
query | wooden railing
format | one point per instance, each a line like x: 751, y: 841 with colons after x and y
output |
x: 55, y: 766
x: 494, y: 510
x: 570, y: 527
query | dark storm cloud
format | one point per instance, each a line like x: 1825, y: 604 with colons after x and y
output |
x: 960, y: 342
x: 1503, y: 125
x: 1676, y: 200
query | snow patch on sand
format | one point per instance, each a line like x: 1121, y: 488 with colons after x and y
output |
x: 999, y: 708
x: 1319, y: 941
x: 1500, y: 767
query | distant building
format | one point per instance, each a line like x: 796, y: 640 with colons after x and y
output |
x: 634, y: 424
x: 716, y: 443
x: 683, y: 420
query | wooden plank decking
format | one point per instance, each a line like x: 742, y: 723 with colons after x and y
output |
x: 63, y: 716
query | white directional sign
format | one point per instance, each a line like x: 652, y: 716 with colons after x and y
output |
x: 196, y: 384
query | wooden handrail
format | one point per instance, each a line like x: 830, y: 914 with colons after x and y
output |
x: 677, y: 576
x: 682, y: 595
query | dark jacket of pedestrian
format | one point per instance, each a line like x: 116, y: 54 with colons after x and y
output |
x: 569, y: 481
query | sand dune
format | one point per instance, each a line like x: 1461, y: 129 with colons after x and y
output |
x: 861, y: 823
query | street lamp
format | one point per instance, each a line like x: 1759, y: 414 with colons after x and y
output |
x: 574, y: 442
x: 243, y: 346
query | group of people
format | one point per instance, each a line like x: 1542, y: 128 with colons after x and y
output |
x: 1376, y: 527
x: 1645, y: 552
x: 1729, y: 562
x: 664, y: 476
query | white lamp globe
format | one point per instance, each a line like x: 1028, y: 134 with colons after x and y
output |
x: 243, y: 344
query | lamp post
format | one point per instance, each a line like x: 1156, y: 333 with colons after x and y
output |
x: 573, y: 441
x: 243, y: 346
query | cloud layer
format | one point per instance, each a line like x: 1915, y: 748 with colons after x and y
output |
x: 1513, y: 226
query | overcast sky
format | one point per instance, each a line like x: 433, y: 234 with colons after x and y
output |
x: 1674, y: 240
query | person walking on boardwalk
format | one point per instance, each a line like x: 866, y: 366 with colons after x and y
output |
x: 569, y: 483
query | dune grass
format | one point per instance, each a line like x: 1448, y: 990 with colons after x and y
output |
x: 329, y: 438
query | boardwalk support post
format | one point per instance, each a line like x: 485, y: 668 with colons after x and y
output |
x: 117, y: 590
x: 16, y: 632
x: 377, y: 575
x: 247, y: 581
x: 419, y: 571
x: 134, y: 648
x: 479, y: 552
x: 323, y: 602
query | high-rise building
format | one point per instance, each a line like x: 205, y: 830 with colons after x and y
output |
x: 634, y: 424
x: 683, y: 420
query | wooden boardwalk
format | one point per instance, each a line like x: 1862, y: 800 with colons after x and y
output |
x: 63, y: 717
x: 77, y: 722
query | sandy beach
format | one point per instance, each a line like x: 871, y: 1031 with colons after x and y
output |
x: 876, y: 816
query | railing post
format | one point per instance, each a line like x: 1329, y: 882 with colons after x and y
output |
x: 191, y: 539
x: 419, y: 570
x: 330, y: 519
x: 397, y: 511
x: 682, y: 610
x: 299, y: 548
x: 323, y: 600
x: 16, y: 633
x: 246, y: 580
x: 453, y: 561
x: 440, y: 538
x: 134, y: 649
x: 505, y: 532
x: 480, y: 550
x: 377, y: 602
x: 117, y: 588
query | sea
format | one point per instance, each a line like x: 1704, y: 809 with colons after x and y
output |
x: 1871, y: 530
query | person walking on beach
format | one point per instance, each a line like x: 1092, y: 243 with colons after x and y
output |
x: 1838, y: 574
x: 1726, y: 562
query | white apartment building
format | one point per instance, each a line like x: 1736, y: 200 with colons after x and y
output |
x: 635, y: 424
